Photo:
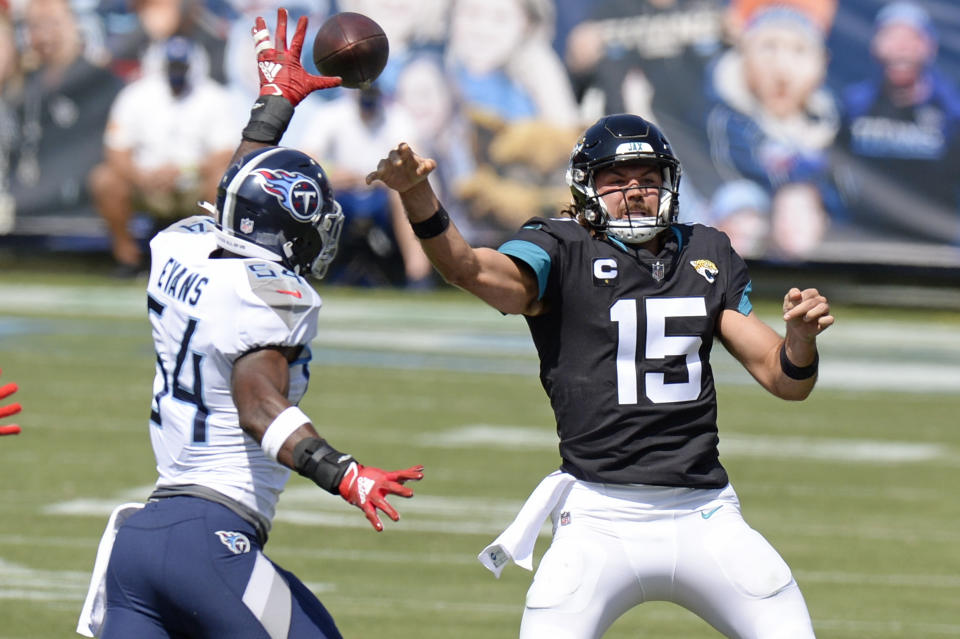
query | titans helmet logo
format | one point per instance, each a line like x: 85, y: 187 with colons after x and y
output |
x: 236, y: 542
x: 296, y: 192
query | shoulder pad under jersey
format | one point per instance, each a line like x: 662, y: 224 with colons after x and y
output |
x: 565, y: 228
x: 286, y: 293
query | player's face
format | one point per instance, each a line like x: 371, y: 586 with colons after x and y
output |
x: 630, y: 189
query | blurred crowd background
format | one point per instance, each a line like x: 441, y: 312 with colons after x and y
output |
x: 809, y: 130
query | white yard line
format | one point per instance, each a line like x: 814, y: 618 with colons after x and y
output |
x: 732, y: 444
x: 914, y: 356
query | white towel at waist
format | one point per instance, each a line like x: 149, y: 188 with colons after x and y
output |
x: 95, y: 605
x: 517, y: 541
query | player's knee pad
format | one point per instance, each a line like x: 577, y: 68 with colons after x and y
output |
x: 749, y: 562
x: 567, y: 576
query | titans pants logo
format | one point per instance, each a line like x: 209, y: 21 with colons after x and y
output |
x: 296, y: 192
x: 236, y: 542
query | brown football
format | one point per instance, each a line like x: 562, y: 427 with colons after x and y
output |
x: 352, y: 46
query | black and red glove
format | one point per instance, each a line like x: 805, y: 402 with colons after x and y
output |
x: 367, y: 488
x: 8, y: 410
x: 281, y: 73
x: 283, y: 80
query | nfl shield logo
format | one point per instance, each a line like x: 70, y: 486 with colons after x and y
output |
x: 657, y: 271
x: 246, y: 225
x: 565, y: 518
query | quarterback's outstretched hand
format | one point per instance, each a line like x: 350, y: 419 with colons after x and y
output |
x: 402, y: 169
x: 8, y: 410
x: 367, y: 488
x: 280, y: 70
x: 807, y: 313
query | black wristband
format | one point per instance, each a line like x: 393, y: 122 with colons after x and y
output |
x: 317, y: 460
x: 793, y: 371
x: 269, y: 118
x: 432, y: 226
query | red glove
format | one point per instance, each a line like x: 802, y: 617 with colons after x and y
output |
x: 280, y: 70
x: 7, y: 411
x: 367, y: 487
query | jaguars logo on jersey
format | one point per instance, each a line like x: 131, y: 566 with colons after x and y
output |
x: 707, y: 269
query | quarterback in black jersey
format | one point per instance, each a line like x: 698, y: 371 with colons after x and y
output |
x: 625, y: 418
x: 624, y: 304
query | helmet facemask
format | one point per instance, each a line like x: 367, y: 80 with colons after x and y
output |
x: 632, y: 228
x: 313, y: 253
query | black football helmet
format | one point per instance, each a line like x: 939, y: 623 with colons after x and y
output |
x: 611, y: 140
x: 276, y: 204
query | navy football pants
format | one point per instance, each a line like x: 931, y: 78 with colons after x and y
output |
x: 185, y: 567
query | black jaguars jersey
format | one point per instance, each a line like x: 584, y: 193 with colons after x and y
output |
x: 625, y: 348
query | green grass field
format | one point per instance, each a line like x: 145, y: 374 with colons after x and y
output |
x: 855, y: 487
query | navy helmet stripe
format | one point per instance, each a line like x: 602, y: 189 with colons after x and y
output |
x: 230, y: 200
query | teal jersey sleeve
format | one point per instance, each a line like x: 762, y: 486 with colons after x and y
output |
x: 532, y: 255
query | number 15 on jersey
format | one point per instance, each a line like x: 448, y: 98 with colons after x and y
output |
x: 658, y: 345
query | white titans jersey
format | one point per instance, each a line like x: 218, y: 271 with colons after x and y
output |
x: 205, y: 313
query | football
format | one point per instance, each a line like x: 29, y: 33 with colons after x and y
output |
x: 352, y: 46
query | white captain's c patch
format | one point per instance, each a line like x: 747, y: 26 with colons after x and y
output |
x: 604, y: 271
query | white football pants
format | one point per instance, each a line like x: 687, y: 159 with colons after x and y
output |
x: 617, y: 546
